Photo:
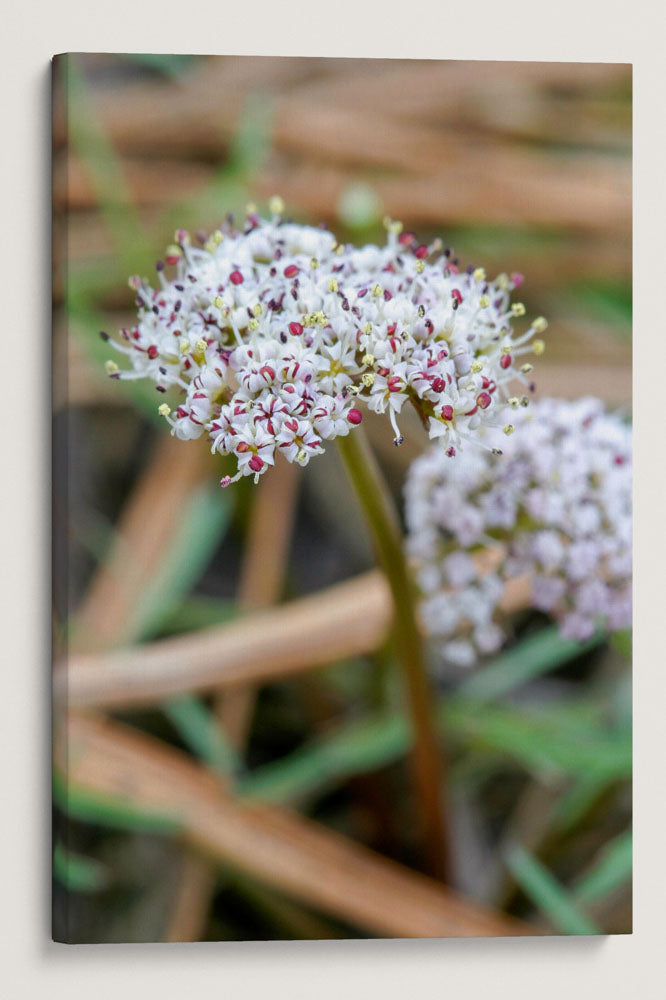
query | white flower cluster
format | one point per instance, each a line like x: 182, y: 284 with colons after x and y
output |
x: 275, y: 334
x: 556, y: 505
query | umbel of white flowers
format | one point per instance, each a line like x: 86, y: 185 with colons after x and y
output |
x: 274, y: 336
x: 557, y: 506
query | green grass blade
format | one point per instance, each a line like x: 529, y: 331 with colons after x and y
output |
x: 547, y: 894
x: 77, y: 873
x: 544, y: 741
x: 613, y: 868
x: 202, y: 733
x: 535, y: 655
x: 202, y: 526
x: 103, y: 810
x: 356, y: 748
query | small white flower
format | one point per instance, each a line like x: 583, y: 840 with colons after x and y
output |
x: 559, y: 502
x: 274, y: 321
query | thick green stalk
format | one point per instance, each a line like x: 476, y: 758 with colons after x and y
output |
x: 382, y: 517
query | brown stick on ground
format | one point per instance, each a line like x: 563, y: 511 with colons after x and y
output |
x: 105, y: 619
x: 262, y: 581
x: 348, y: 619
x: 308, y: 862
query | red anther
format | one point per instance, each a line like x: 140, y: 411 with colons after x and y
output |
x: 485, y: 381
x: 152, y: 351
x: 456, y: 295
x: 619, y: 459
x: 389, y: 267
x: 517, y: 278
x: 395, y: 383
x: 242, y: 447
x: 387, y: 295
x: 225, y: 481
x: 421, y: 251
x: 451, y: 452
x: 447, y: 412
x: 354, y: 416
x: 256, y: 463
x: 267, y: 372
x: 406, y: 239
x: 172, y: 259
x: 484, y: 399
x: 236, y: 278
x: 390, y: 330
x: 291, y: 270
x: 439, y: 385
x: 505, y: 361
x: 135, y: 334
x: 295, y: 329
x: 383, y: 371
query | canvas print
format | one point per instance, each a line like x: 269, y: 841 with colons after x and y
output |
x: 341, y: 498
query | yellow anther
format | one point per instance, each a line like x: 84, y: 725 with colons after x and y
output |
x: 540, y: 324
x: 518, y: 309
x: 201, y: 345
x: 505, y: 348
x: 538, y: 347
x: 250, y: 208
x: 502, y: 281
x: 276, y: 205
x: 218, y: 302
x: 164, y: 410
x: 484, y: 302
x: 508, y: 429
x: 340, y: 249
x: 302, y: 456
x: 174, y: 251
x: 368, y: 359
x: 524, y: 400
x: 513, y: 402
x: 392, y: 225
x: 258, y: 309
x: 377, y: 290
x: 420, y: 266
x: 476, y: 366
x: 368, y: 379
x: 367, y: 329
x: 480, y: 274
x: 184, y: 346
x: 253, y: 325
x: 314, y: 263
x: 526, y: 368
x: 111, y: 367
x: 332, y: 285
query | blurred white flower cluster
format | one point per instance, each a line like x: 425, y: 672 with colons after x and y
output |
x: 273, y: 336
x: 557, y: 505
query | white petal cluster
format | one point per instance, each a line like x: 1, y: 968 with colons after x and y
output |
x: 273, y: 336
x: 556, y: 505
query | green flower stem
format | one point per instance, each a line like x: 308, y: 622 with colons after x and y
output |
x: 428, y: 762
